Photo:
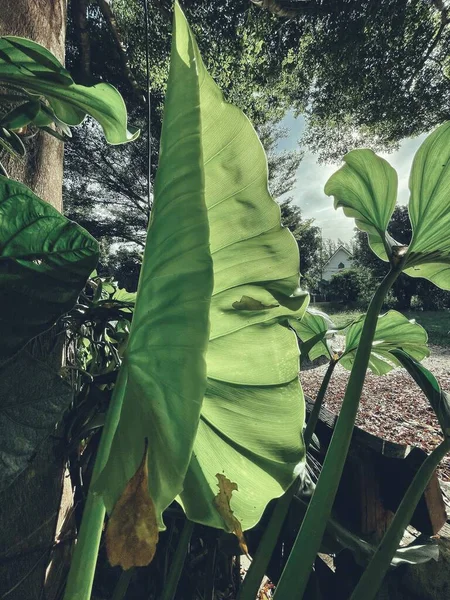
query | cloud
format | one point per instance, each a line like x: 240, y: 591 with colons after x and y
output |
x: 311, y: 178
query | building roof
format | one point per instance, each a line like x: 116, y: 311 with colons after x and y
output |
x: 336, y: 251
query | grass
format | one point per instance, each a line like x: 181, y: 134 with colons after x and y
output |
x: 437, y: 323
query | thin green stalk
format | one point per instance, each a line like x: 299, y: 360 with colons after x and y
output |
x: 82, y: 568
x: 178, y: 561
x: 258, y: 567
x: 314, y: 416
x: 294, y: 578
x: 373, y: 576
x: 122, y: 585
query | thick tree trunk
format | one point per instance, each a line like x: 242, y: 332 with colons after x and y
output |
x: 29, y: 508
x: 43, y: 21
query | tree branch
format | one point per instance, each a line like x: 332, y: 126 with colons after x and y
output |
x: 110, y: 19
x: 445, y: 20
x: 287, y: 8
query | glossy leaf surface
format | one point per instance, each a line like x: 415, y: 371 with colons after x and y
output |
x: 45, y: 260
x: 28, y: 412
x: 26, y: 64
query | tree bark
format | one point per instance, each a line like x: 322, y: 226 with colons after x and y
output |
x: 43, y: 21
x: 29, y: 507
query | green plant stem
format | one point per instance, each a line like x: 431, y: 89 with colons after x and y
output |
x: 258, y: 567
x: 314, y: 416
x: 82, y: 568
x: 122, y: 585
x: 294, y: 578
x: 373, y: 576
x: 178, y: 561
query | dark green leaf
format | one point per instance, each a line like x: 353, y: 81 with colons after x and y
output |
x: 45, y: 260
x: 28, y: 412
x: 20, y: 116
x: 28, y: 65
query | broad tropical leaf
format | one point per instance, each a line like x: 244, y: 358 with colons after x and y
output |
x: 439, y: 400
x: 252, y: 414
x: 366, y: 188
x: 314, y: 329
x: 429, y: 209
x: 26, y: 64
x: 45, y: 260
x: 393, y: 331
x: 28, y: 412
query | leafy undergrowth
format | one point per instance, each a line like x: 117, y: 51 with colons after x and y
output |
x: 392, y: 406
x: 436, y: 322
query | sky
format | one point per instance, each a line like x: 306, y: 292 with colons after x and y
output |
x: 311, y: 178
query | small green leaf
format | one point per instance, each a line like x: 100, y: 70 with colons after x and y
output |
x: 45, y: 260
x: 429, y: 210
x: 28, y: 65
x: 366, y: 188
x: 313, y: 329
x: 21, y: 115
x: 393, y: 331
x: 12, y: 143
x: 439, y: 400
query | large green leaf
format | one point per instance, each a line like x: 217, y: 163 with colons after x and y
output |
x: 29, y: 65
x: 393, y: 331
x: 439, y: 400
x: 429, y: 210
x: 252, y: 414
x: 28, y: 412
x: 45, y: 260
x: 366, y: 188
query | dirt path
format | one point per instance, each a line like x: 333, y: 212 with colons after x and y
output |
x: 392, y: 406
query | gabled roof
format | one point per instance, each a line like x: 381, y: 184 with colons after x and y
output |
x: 336, y: 251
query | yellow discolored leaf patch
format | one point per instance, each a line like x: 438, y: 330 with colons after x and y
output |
x: 132, y: 531
x: 222, y: 502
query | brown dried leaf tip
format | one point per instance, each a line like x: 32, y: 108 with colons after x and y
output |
x: 132, y: 531
x: 222, y: 502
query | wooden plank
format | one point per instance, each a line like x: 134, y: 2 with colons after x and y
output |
x: 376, y: 476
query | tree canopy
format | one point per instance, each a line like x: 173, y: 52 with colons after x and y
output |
x: 325, y: 59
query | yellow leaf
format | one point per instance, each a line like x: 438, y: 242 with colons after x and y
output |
x: 222, y: 502
x: 132, y: 531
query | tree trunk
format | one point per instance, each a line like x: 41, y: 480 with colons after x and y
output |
x: 29, y: 507
x: 43, y: 21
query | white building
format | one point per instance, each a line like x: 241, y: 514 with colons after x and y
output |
x: 341, y: 259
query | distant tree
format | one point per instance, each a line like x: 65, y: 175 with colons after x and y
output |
x: 344, y: 286
x: 308, y: 240
x: 112, y: 202
x: 366, y: 72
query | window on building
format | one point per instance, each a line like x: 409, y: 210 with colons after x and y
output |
x: 341, y: 266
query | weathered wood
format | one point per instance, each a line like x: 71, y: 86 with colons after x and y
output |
x: 376, y: 476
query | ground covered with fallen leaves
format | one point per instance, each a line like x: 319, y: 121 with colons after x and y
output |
x: 392, y: 406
